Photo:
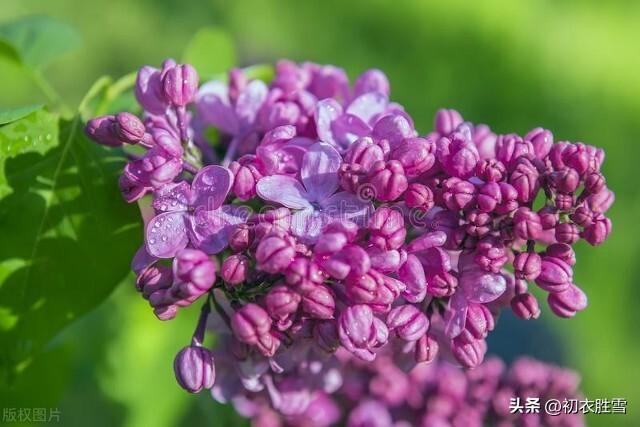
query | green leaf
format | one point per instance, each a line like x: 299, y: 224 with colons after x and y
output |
x: 107, y: 96
x: 264, y: 72
x: 37, y: 40
x: 211, y: 51
x: 11, y: 115
x: 67, y: 236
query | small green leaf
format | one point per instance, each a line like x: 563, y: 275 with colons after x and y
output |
x: 37, y: 40
x: 67, y: 236
x: 11, y: 115
x: 264, y: 72
x: 211, y: 51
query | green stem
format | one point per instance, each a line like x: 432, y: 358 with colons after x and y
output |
x: 49, y: 91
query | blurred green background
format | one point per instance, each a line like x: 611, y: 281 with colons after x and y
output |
x: 571, y: 66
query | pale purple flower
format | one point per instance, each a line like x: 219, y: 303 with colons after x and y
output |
x: 314, y: 199
x: 193, y: 214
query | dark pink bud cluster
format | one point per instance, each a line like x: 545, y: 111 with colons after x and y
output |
x: 337, y: 227
x: 383, y: 393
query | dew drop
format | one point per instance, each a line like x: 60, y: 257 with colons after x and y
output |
x: 164, y: 238
x: 48, y: 137
x: 152, y: 241
x: 163, y: 207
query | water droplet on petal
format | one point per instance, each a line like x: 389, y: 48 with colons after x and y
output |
x: 152, y: 241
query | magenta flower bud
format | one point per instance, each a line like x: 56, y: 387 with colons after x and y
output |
x: 282, y: 304
x: 364, y: 152
x: 442, y: 284
x: 478, y: 223
x: 275, y: 253
x: 419, y: 196
x: 525, y: 306
x: 564, y: 201
x: 417, y: 155
x: 565, y: 180
x: 549, y: 217
x: 241, y: 238
x: 567, y: 233
x: 360, y: 331
x: 129, y: 128
x: 576, y: 156
x: 412, y: 274
x: 555, y: 275
x: 458, y: 194
x: 245, y: 177
x: 303, y: 274
x: 235, y: 269
x: 508, y: 199
x: 526, y: 224
x: 555, y: 154
x: 458, y: 155
x: 391, y: 129
x: 426, y: 349
x: 101, y: 130
x: 446, y: 121
x: 350, y: 260
x: 249, y: 323
x: 524, y: 179
x: 388, y: 180
x: 180, y: 84
x: 156, y: 168
x: 491, y: 255
x: 468, y: 352
x: 387, y: 228
x: 132, y: 189
x: 479, y: 320
x: 319, y: 302
x: 491, y: 170
x: 194, y: 368
x: 363, y: 289
x: 527, y: 265
x: 148, y: 89
x: 489, y: 197
x: 594, y: 183
x: 582, y: 216
x: 568, y: 302
x: 562, y: 251
x: 152, y: 278
x: 596, y: 233
x: 542, y: 141
x: 352, y: 178
x: 194, y: 267
x: 371, y: 81
x: 510, y: 148
x: 408, y: 322
x: 601, y: 202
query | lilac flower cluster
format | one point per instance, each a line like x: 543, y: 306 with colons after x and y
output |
x: 383, y: 394
x: 330, y: 223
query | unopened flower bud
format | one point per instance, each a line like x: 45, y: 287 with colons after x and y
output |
x: 363, y: 152
x: 408, y: 322
x: 180, y: 84
x: 527, y: 265
x: 194, y: 368
x: 596, y: 233
x: 568, y: 302
x: 527, y: 224
x: 282, y: 303
x: 562, y: 251
x: 446, y: 121
x: 567, y: 233
x: 235, y: 269
x: 555, y: 274
x: 426, y: 349
x: 388, y: 180
x: 319, y: 302
x: 241, y: 238
x: 417, y: 155
x: 458, y: 194
x: 249, y: 323
x: 387, y: 228
x: 419, y: 196
x: 274, y: 254
x: 525, y: 306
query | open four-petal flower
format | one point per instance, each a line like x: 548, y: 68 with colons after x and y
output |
x: 315, y: 198
x: 193, y: 214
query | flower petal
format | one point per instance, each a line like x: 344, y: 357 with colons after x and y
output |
x: 456, y: 315
x: 214, y: 107
x: 172, y: 197
x: 326, y: 112
x: 166, y: 234
x: 307, y: 225
x: 368, y: 106
x: 210, y: 230
x: 480, y: 286
x: 283, y: 189
x: 250, y: 101
x: 348, y: 128
x: 348, y: 206
x: 211, y: 186
x: 319, y: 171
